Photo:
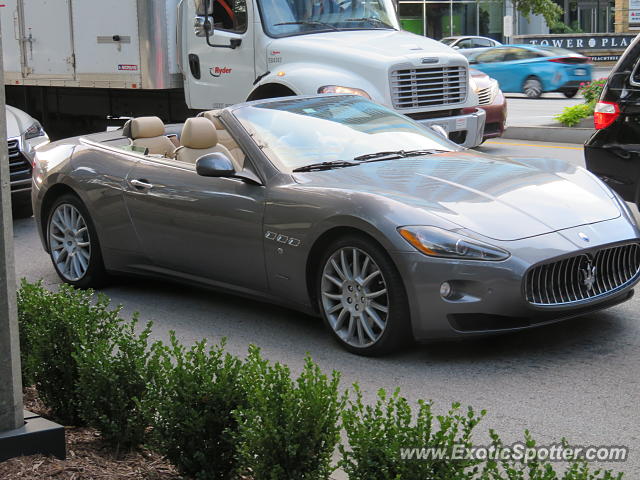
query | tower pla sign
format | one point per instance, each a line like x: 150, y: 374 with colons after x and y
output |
x: 580, y: 42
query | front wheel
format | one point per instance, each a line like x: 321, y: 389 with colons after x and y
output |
x: 570, y: 93
x: 362, y: 297
x: 532, y: 87
x: 73, y: 244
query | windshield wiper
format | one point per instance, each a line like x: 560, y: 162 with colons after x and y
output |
x: 309, y: 22
x: 324, y: 166
x: 396, y: 154
x: 375, y: 21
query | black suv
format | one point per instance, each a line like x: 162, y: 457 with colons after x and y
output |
x: 613, y: 152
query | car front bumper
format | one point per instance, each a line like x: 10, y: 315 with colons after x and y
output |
x: 490, y: 295
x: 466, y: 129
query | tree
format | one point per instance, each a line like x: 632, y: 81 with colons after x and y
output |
x: 550, y: 10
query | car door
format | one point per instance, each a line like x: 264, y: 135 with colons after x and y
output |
x: 198, y: 228
x: 489, y: 62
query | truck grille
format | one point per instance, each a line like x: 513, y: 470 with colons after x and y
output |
x: 19, y: 166
x: 583, y: 277
x: 484, y: 96
x: 428, y: 87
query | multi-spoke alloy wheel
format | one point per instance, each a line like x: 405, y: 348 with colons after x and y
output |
x: 362, y: 297
x: 73, y: 243
x: 354, y: 297
x: 532, y: 87
x: 69, y: 242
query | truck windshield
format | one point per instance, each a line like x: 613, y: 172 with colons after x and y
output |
x: 282, y: 18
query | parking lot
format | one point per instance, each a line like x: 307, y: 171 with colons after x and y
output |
x: 577, y: 379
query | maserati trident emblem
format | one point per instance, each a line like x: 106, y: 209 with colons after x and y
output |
x: 589, y: 275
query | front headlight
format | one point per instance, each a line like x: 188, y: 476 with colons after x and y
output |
x: 437, y: 242
x: 35, y: 130
x: 339, y: 89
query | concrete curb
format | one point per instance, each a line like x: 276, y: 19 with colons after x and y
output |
x: 549, y: 134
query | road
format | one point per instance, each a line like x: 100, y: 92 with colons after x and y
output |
x: 578, y: 379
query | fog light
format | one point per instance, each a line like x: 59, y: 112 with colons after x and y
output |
x: 445, y: 290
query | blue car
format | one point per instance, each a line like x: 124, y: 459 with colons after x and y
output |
x: 534, y: 70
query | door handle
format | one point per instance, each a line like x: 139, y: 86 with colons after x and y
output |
x: 141, y: 184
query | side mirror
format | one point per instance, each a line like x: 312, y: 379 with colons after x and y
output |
x: 455, y: 47
x: 473, y: 62
x: 215, y: 165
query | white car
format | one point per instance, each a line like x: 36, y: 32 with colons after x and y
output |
x: 467, y: 45
x: 24, y: 135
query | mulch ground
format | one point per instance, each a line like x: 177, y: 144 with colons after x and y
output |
x: 87, y: 458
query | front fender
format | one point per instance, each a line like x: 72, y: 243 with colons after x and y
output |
x: 306, y: 78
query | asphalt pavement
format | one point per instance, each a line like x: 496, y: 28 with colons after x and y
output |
x: 577, y: 379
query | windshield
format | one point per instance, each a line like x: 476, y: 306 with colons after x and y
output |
x: 282, y: 18
x: 298, y: 132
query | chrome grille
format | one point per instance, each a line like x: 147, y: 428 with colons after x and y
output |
x: 19, y: 166
x: 484, y: 96
x: 583, y: 277
x: 429, y: 86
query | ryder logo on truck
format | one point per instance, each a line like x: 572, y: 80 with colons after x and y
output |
x: 219, y: 71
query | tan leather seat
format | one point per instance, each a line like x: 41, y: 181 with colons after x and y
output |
x: 148, y: 132
x: 224, y: 137
x: 198, y: 138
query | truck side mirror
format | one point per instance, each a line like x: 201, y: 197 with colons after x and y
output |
x: 207, y: 25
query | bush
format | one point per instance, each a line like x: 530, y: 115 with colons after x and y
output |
x: 536, y: 469
x: 112, y: 384
x: 193, y: 395
x: 53, y: 327
x: 288, y: 429
x: 591, y: 91
x: 571, y: 116
x: 377, y: 434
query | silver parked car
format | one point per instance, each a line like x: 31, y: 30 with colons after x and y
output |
x: 338, y: 206
x: 24, y: 135
x: 468, y: 44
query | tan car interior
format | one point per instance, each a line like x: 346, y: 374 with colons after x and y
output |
x: 200, y: 135
x: 198, y: 138
x: 148, y: 132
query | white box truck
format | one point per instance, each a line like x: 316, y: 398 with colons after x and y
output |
x: 74, y: 63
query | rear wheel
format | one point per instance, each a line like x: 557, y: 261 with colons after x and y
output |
x: 362, y: 297
x: 570, y: 93
x: 73, y: 244
x: 532, y: 87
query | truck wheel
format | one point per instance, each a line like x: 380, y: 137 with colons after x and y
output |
x: 532, y: 87
x: 362, y: 297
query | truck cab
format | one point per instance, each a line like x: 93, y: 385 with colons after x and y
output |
x: 237, y: 50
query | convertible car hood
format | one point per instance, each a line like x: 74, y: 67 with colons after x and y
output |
x: 495, y: 197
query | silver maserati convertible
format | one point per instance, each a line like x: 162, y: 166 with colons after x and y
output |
x: 338, y: 206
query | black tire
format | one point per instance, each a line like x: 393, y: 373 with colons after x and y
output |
x: 95, y: 275
x: 570, y: 93
x: 397, y: 330
x: 532, y: 87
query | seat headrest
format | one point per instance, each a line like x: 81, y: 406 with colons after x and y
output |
x: 213, y: 116
x: 198, y: 132
x: 146, y: 127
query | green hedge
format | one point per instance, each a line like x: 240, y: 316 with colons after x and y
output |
x: 216, y: 416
